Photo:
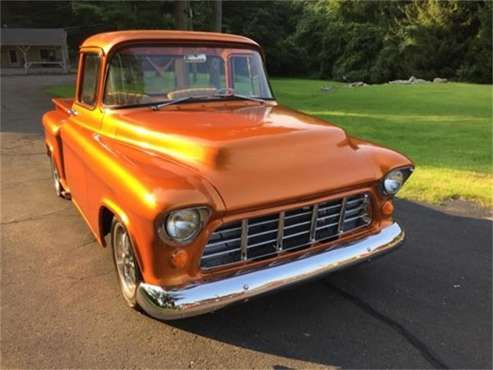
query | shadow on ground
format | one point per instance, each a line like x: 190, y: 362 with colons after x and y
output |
x: 426, y: 305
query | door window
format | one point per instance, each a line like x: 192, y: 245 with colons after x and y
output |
x: 89, y: 82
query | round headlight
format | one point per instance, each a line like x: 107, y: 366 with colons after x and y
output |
x: 182, y: 226
x: 393, y: 182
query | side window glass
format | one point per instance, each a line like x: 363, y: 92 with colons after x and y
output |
x: 89, y: 81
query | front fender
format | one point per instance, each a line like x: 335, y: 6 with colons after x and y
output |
x: 385, y: 159
x: 137, y: 186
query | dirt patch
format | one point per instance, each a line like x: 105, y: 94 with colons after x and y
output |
x: 465, y: 208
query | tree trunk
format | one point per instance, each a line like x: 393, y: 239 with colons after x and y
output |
x: 182, y: 12
x: 218, y: 16
x: 24, y: 50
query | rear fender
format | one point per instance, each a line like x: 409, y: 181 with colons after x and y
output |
x: 52, y: 123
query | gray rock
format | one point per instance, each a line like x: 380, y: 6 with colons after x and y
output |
x: 400, y: 82
x: 412, y: 81
x: 439, y: 80
x: 357, y: 84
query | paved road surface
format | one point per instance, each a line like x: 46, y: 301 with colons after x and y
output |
x: 426, y: 305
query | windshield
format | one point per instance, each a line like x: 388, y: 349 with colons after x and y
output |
x: 155, y: 74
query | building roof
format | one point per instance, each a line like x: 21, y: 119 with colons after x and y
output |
x: 33, y: 36
x: 108, y: 40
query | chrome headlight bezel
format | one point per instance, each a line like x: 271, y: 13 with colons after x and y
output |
x: 167, y: 222
x: 396, y: 175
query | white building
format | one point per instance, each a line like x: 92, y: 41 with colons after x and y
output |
x: 34, y: 50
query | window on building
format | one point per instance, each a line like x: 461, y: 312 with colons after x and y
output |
x: 13, y: 57
x: 47, y: 55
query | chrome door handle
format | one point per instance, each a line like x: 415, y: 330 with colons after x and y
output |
x: 73, y: 112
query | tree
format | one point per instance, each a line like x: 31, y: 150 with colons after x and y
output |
x: 182, y: 15
x: 218, y: 16
x: 375, y: 41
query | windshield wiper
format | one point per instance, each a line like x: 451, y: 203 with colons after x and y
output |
x: 174, y: 101
x: 156, y: 107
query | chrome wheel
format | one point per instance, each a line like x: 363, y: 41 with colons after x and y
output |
x: 126, y: 264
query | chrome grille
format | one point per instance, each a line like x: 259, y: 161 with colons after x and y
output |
x: 265, y: 236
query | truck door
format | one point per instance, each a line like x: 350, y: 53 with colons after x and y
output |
x: 78, y: 133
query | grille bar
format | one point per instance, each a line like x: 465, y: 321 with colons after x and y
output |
x: 327, y: 226
x: 222, y: 242
x: 313, y: 225
x: 341, y: 215
x: 262, y: 243
x: 280, y: 231
x: 298, y: 215
x: 261, y: 237
x: 329, y: 216
x: 244, y: 239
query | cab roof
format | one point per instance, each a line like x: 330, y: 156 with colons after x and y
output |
x: 106, y: 41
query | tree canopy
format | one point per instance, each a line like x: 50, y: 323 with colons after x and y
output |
x: 371, y: 41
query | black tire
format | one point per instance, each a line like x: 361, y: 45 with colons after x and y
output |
x: 126, y: 265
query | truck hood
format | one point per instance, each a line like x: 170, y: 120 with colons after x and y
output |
x: 256, y: 155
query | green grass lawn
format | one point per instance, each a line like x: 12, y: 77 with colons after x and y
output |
x: 445, y: 128
x: 61, y: 91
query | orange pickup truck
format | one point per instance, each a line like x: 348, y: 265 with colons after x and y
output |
x: 177, y: 154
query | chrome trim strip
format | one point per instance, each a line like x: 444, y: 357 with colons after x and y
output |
x: 264, y: 255
x: 271, y: 231
x: 329, y: 216
x: 229, y: 251
x: 244, y: 239
x: 351, y: 202
x: 230, y: 230
x: 262, y: 243
x: 351, y: 211
x: 355, y: 217
x: 298, y: 215
x: 208, y: 296
x: 327, y: 226
x: 323, y: 209
x: 223, y: 242
x: 263, y: 222
x: 296, y: 234
x: 297, y: 225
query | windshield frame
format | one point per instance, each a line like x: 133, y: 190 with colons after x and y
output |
x: 226, y: 45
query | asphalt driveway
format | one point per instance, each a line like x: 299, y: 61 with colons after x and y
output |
x: 428, y: 305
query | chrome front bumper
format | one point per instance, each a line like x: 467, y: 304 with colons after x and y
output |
x: 212, y: 295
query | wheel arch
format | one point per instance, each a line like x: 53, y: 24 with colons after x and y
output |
x: 107, y: 211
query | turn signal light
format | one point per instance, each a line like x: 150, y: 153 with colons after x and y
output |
x: 388, y: 208
x: 179, y: 258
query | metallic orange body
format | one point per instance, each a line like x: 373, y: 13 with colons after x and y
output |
x: 239, y: 158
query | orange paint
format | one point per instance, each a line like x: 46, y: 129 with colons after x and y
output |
x: 239, y: 158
